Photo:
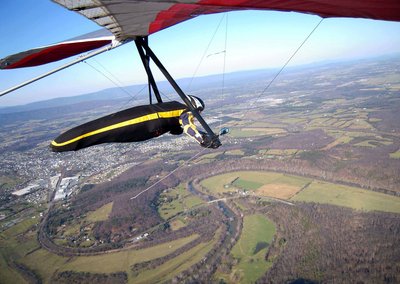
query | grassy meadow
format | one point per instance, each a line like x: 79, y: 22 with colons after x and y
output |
x: 15, y: 243
x: 257, y: 234
x: 101, y: 214
x: 261, y: 183
x: 180, y: 200
x: 395, y: 155
x: 348, y: 196
x: 303, y: 189
x: 45, y: 263
x: 174, y: 266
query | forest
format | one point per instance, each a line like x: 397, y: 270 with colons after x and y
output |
x: 314, y: 242
x: 325, y: 243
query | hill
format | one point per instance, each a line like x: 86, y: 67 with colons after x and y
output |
x: 305, y: 187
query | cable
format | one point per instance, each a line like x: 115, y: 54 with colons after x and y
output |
x: 132, y: 97
x: 224, y: 65
x: 205, y: 52
x: 290, y: 58
x: 222, y: 91
x: 164, y: 95
x: 108, y: 71
x: 163, y: 178
x: 280, y: 71
x: 111, y: 80
x: 262, y: 93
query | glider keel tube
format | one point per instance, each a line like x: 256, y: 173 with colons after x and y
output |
x: 79, y: 59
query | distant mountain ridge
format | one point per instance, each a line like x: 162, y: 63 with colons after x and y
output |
x: 198, y: 83
x: 118, y: 94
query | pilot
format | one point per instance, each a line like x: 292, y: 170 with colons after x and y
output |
x: 139, y: 123
x: 186, y: 120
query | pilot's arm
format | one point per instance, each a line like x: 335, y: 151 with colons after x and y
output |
x: 186, y: 120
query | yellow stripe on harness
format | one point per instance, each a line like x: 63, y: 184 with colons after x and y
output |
x: 165, y: 114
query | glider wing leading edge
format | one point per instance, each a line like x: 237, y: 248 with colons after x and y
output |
x: 51, y: 53
x: 126, y: 20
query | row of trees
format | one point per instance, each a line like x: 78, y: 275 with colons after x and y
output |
x: 73, y: 277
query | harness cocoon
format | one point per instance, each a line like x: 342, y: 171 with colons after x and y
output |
x: 131, y: 125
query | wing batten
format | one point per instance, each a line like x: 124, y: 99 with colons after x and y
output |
x: 58, y: 51
x: 141, y: 18
x: 46, y: 55
x: 126, y: 20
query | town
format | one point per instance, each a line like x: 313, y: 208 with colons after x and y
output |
x: 298, y: 167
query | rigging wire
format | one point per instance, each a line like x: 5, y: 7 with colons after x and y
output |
x: 166, y: 176
x: 165, y: 95
x: 224, y: 64
x: 132, y: 97
x: 111, y: 80
x: 222, y: 92
x: 280, y: 71
x: 246, y: 111
x: 288, y: 61
x: 108, y: 71
x: 205, y: 51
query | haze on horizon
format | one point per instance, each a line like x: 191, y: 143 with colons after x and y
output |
x: 254, y: 40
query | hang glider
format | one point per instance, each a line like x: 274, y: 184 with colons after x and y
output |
x: 125, y: 21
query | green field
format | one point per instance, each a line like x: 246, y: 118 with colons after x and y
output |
x: 15, y: 243
x: 234, y: 152
x: 250, y: 180
x: 317, y: 191
x: 101, y: 214
x: 257, y: 234
x: 246, y: 184
x: 45, y: 263
x: 348, y: 196
x: 176, y: 201
x: 20, y: 227
x: 374, y: 142
x: 174, y: 266
x: 7, y: 182
x: 344, y: 137
x: 395, y: 155
x: 279, y: 152
x: 254, y: 131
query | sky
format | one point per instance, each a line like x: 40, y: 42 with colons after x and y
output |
x: 250, y: 39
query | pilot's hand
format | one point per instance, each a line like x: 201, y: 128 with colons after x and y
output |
x: 210, y: 142
x: 206, y: 140
x: 215, y: 143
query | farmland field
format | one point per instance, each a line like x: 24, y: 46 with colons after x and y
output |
x: 13, y: 248
x: 250, y: 250
x: 45, y: 263
x: 253, y: 131
x: 353, y: 197
x: 173, y: 267
x: 100, y: 214
x: 395, y: 155
x: 175, y: 201
x: 303, y: 189
x: 262, y: 183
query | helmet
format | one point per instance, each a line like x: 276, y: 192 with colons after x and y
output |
x: 197, y: 103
